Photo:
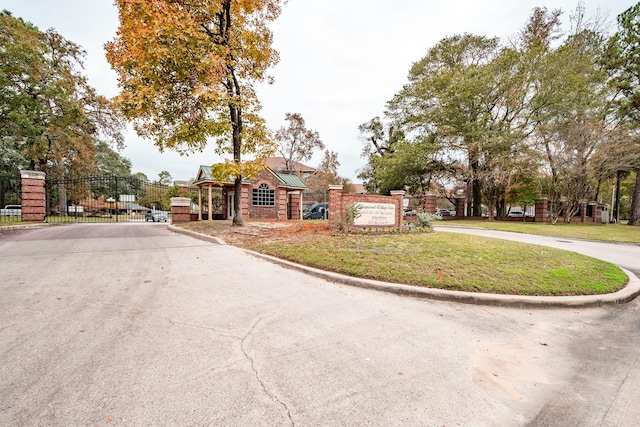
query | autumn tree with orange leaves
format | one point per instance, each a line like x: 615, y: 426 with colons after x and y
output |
x: 187, y: 72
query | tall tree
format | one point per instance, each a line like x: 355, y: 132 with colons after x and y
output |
x: 622, y: 61
x: 49, y: 115
x: 296, y: 143
x: 380, y: 141
x: 164, y: 178
x: 467, y: 94
x: 110, y: 162
x: 187, y: 72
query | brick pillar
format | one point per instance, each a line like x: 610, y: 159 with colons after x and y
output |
x: 180, y: 209
x: 595, y: 212
x: 430, y: 203
x: 460, y: 202
x: 399, y: 196
x: 245, y: 200
x: 583, y: 211
x: 335, y: 205
x: 295, y: 208
x: 34, y: 198
x: 541, y: 210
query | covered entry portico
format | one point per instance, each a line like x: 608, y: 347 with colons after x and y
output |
x: 268, y: 196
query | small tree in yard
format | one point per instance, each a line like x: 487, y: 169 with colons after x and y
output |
x: 296, y: 142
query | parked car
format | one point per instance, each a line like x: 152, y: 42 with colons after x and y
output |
x: 444, y: 212
x: 517, y: 213
x: 11, y: 210
x: 155, y: 216
x: 317, y: 211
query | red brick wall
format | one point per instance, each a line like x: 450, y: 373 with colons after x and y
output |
x: 279, y: 210
x: 339, y: 201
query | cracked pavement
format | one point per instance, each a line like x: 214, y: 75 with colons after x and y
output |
x: 129, y: 324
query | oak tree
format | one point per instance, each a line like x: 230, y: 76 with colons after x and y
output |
x: 50, y: 117
x: 187, y: 72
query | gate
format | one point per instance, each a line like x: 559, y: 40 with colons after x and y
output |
x: 10, y: 198
x: 108, y: 199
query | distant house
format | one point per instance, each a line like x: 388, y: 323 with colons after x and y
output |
x: 358, y: 189
x: 270, y: 195
x: 279, y: 165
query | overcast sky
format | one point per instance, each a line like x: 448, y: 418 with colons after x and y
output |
x: 340, y: 60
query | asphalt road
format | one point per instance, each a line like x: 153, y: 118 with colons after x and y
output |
x: 129, y: 324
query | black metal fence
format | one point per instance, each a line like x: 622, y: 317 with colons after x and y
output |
x: 10, y: 198
x: 110, y: 199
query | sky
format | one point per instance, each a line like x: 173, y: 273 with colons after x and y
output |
x: 340, y: 60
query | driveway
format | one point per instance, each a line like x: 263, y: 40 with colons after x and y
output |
x: 129, y: 324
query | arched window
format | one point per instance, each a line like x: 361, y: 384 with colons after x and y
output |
x: 264, y: 196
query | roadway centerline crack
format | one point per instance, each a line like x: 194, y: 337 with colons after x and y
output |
x: 255, y: 370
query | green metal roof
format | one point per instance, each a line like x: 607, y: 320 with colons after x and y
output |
x: 286, y: 180
x: 291, y: 180
x: 204, y: 174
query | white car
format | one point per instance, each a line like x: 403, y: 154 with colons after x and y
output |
x: 517, y: 213
x: 155, y: 216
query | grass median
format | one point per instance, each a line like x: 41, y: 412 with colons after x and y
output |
x: 450, y: 261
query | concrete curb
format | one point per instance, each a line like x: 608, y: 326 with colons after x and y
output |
x: 196, y: 235
x: 625, y: 295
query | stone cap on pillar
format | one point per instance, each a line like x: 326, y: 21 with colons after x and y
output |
x: 32, y: 175
x: 397, y: 192
x: 180, y: 201
x: 336, y: 187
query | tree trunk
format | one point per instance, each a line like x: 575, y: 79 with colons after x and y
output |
x: 616, y: 206
x: 634, y: 218
x: 476, y: 190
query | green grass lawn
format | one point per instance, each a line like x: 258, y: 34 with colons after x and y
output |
x: 608, y: 233
x: 452, y: 261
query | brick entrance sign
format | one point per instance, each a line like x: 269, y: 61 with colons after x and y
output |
x: 375, y: 211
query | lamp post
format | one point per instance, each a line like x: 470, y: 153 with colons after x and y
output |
x: 110, y: 200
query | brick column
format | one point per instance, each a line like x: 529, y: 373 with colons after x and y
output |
x: 34, y: 198
x: 583, y: 211
x: 595, y: 212
x: 246, y: 199
x: 399, y: 196
x: 295, y: 207
x: 460, y: 202
x: 430, y: 203
x: 180, y: 209
x: 335, y: 205
x: 541, y: 210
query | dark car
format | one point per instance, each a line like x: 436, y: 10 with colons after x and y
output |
x: 317, y: 211
x: 155, y: 216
